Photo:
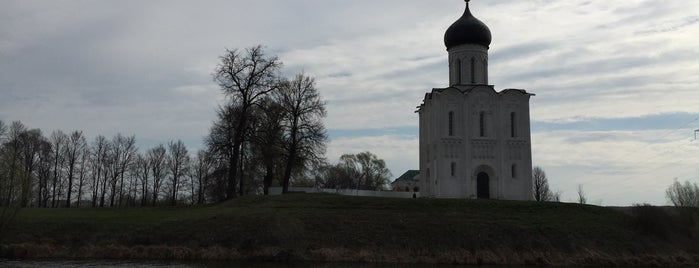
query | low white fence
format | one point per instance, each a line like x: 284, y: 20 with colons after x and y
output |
x: 278, y: 190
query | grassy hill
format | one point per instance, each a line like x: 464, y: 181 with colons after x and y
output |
x: 324, y: 227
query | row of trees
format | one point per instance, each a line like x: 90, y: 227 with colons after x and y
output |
x: 65, y: 169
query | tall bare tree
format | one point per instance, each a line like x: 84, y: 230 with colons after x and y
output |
x: 142, y: 172
x: 98, y: 163
x: 75, y: 146
x: 122, y: 152
x: 30, y: 143
x: 44, y: 164
x: 83, y: 167
x: 245, y: 77
x: 58, y: 141
x: 178, y: 165
x: 220, y: 142
x: 267, y: 141
x: 540, y: 186
x: 14, y: 180
x: 304, y: 132
x: 157, y: 156
x: 202, y: 167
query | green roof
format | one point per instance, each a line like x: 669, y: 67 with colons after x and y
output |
x: 408, y: 176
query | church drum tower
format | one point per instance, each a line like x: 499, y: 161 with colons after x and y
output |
x: 475, y: 142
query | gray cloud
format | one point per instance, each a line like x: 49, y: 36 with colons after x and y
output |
x: 144, y: 68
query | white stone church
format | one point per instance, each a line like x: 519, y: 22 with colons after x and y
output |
x: 475, y: 142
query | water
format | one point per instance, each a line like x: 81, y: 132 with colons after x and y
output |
x: 153, y: 264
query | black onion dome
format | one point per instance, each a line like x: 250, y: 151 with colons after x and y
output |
x: 467, y: 30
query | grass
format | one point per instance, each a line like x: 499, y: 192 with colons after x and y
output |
x: 341, y: 228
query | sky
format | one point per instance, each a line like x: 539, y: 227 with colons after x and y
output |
x: 616, y: 81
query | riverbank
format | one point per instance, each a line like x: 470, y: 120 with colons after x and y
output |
x: 324, y: 227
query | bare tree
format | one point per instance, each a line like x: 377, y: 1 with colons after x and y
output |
x: 98, y: 163
x: 83, y: 168
x: 44, y: 164
x: 128, y: 151
x: 582, y: 199
x: 304, y: 132
x: 202, y: 167
x: 142, y: 171
x: 58, y: 141
x: 245, y: 77
x: 157, y: 157
x: 30, y: 142
x: 178, y: 165
x: 13, y: 177
x: 220, y: 143
x: 683, y: 195
x: 74, y: 147
x: 540, y: 185
x: 267, y: 140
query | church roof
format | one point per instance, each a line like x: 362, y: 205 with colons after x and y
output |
x: 466, y: 89
x: 467, y: 30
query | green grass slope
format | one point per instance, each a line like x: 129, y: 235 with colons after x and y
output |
x: 324, y: 227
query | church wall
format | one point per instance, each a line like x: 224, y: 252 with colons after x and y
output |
x: 495, y: 153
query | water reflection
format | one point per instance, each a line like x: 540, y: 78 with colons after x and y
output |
x: 152, y: 264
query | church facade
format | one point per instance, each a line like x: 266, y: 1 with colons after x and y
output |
x: 475, y: 142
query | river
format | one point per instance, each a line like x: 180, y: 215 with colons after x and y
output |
x: 152, y: 264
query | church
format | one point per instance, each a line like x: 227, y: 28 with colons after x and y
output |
x: 475, y: 142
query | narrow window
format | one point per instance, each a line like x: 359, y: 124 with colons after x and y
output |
x: 514, y: 170
x: 453, y: 169
x: 482, y: 124
x: 458, y: 71
x: 513, y: 131
x: 451, y: 123
x: 473, y: 70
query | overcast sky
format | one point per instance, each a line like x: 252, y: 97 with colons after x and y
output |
x: 616, y: 81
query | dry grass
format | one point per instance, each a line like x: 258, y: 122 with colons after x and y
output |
x: 303, y: 227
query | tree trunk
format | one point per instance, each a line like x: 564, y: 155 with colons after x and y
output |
x: 241, y: 175
x: 269, y: 175
x: 292, y: 156
x: 70, y: 181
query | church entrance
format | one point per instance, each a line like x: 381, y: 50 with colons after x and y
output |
x: 483, y: 185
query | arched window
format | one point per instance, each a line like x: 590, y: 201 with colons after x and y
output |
x: 451, y: 123
x: 482, y: 124
x: 514, y: 170
x: 453, y: 169
x: 473, y: 70
x: 513, y: 123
